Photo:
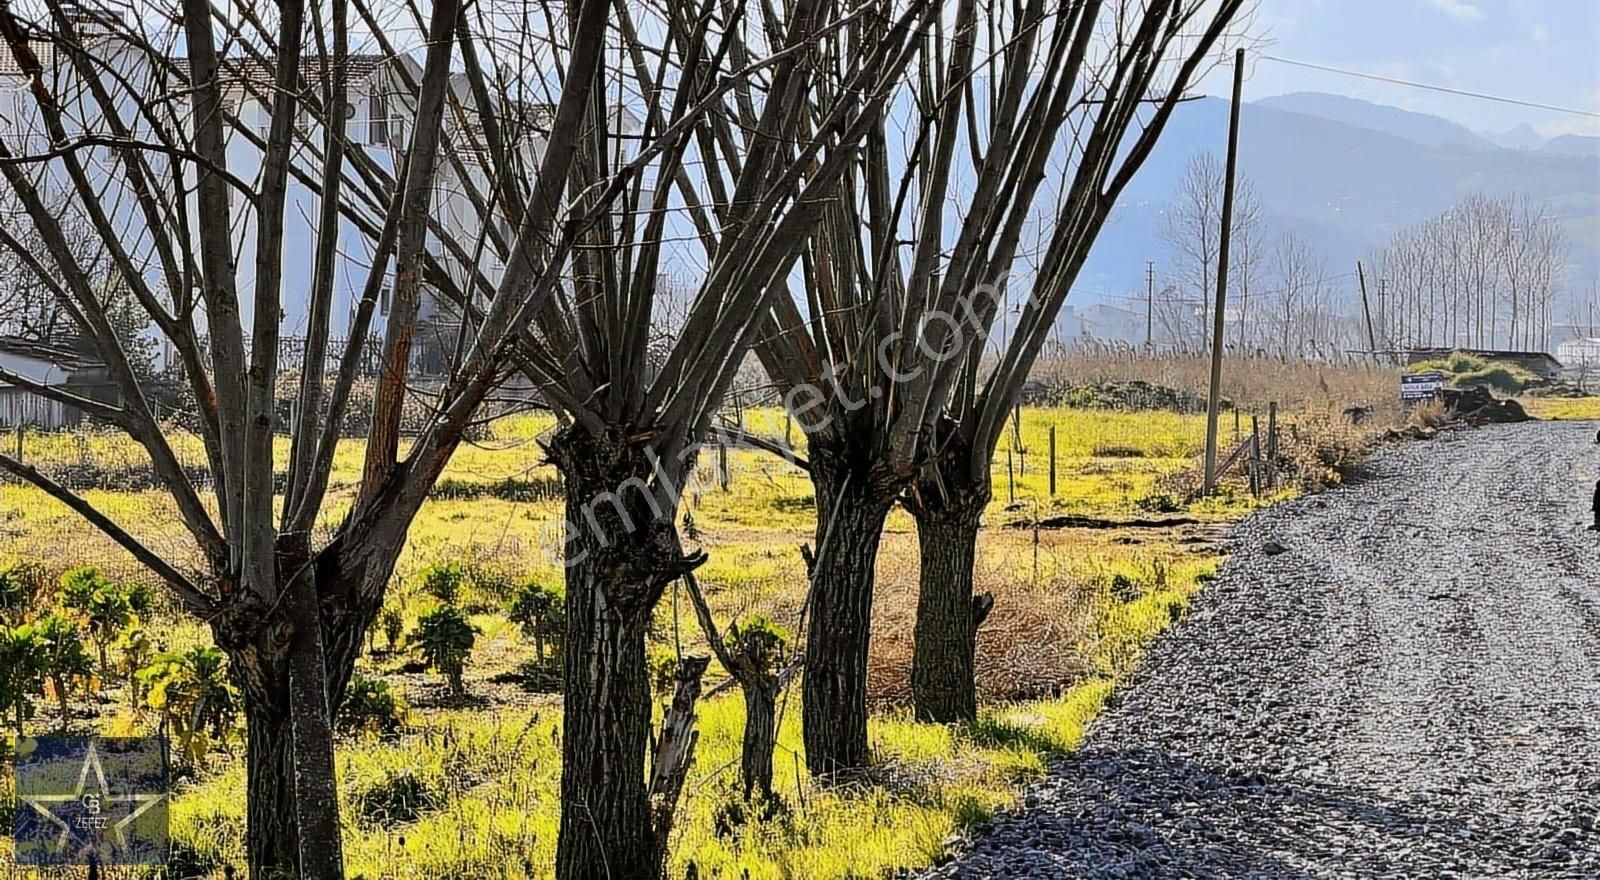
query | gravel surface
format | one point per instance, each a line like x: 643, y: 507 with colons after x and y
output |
x: 1409, y: 688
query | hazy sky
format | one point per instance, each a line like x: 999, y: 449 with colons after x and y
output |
x: 1547, y: 51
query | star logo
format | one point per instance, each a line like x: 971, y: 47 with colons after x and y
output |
x: 83, y: 801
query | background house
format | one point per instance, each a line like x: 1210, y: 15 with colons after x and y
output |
x: 54, y: 366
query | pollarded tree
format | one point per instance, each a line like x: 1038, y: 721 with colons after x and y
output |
x: 877, y: 351
x: 1148, y: 57
x: 195, y: 147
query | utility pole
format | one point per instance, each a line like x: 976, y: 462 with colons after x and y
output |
x: 1150, y: 305
x: 1222, y: 273
x: 1372, y: 339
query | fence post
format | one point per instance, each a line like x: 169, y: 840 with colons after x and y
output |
x: 1052, y: 460
x: 788, y: 429
x: 1022, y: 451
x: 1272, y: 445
x: 1236, y: 424
x: 1011, y: 478
x: 18, y: 456
x: 722, y: 466
x: 1255, y: 456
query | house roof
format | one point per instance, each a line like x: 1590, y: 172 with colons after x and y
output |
x: 60, y: 355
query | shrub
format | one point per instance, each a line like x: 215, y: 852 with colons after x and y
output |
x: 541, y: 613
x: 21, y: 585
x: 370, y: 704
x: 444, y: 580
x: 78, y: 586
x: 400, y: 796
x: 446, y: 638
x: 539, y: 676
x: 22, y: 670
x: 393, y: 624
x: 65, y: 660
x: 197, y: 703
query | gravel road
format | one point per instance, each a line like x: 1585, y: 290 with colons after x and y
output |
x: 1410, y: 688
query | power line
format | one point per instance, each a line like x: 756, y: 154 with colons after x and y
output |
x: 1430, y: 87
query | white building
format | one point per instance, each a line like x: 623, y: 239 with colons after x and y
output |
x: 378, y: 121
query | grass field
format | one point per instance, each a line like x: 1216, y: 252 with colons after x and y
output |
x: 468, y: 789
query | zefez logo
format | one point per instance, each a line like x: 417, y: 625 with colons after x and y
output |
x: 91, y: 800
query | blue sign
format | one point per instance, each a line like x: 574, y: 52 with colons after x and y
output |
x: 1421, y: 386
x: 91, y: 800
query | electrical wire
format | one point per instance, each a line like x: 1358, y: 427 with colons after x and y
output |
x: 1430, y: 87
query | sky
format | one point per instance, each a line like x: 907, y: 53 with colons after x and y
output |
x: 1545, y: 51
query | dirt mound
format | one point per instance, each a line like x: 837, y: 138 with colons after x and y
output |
x: 1132, y: 395
x: 1479, y: 406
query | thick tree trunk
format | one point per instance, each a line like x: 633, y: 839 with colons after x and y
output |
x: 850, y: 515
x: 271, y: 841
x: 942, y: 672
x: 621, y: 552
x: 261, y: 648
x: 760, y: 737
x: 311, y: 720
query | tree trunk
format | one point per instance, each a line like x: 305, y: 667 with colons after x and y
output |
x: 61, y: 696
x: 316, y: 795
x: 850, y: 515
x: 271, y: 842
x: 942, y: 684
x: 760, y: 736
x: 621, y: 552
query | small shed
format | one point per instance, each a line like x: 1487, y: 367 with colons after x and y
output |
x: 1539, y: 363
x: 54, y: 366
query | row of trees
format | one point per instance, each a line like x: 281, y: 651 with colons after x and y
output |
x: 1484, y: 274
x: 809, y: 157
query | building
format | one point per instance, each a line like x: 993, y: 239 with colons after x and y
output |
x: 378, y: 121
x: 52, y: 366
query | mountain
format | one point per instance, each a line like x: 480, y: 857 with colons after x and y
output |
x: 1344, y: 188
x: 1421, y: 128
x: 1523, y: 137
x: 1574, y: 145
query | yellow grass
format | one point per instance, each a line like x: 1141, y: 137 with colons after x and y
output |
x: 1563, y: 408
x: 1074, y: 611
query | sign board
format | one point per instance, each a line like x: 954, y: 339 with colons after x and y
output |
x: 1421, y: 386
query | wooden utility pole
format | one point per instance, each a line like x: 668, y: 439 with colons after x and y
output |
x: 1372, y: 339
x: 1149, y: 305
x: 1222, y: 273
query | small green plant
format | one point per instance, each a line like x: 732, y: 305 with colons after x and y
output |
x: 393, y: 624
x: 446, y: 638
x: 65, y: 660
x: 80, y: 584
x: 370, y: 704
x: 23, y: 659
x: 197, y: 703
x: 134, y: 652
x: 444, y: 580
x: 401, y: 796
x: 21, y: 585
x: 541, y: 613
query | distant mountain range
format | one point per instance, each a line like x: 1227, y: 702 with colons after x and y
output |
x: 1346, y: 175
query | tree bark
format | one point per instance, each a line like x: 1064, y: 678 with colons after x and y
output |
x: 943, y: 688
x: 271, y: 841
x: 621, y: 552
x: 760, y: 737
x: 850, y: 515
x: 311, y: 719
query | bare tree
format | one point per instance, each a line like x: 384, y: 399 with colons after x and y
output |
x: 1483, y: 274
x: 877, y: 349
x: 566, y: 141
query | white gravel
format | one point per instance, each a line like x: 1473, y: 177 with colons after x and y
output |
x: 1411, y: 690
